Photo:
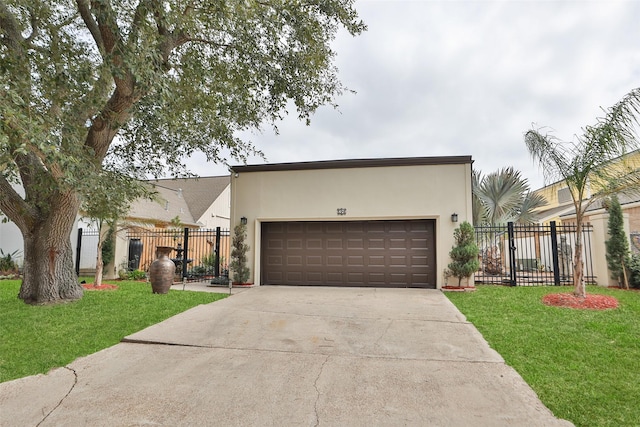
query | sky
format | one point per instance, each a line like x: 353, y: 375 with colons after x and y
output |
x: 448, y: 78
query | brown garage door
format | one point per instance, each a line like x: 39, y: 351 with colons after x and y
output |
x: 349, y: 253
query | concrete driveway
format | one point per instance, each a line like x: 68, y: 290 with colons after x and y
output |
x: 289, y: 356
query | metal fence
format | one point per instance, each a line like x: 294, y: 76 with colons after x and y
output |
x: 86, y: 250
x: 198, y: 254
x: 531, y: 254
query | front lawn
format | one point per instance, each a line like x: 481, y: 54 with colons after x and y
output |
x: 583, y: 364
x: 35, y: 339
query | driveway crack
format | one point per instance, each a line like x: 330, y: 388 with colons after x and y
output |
x: 315, y: 385
x: 75, y: 381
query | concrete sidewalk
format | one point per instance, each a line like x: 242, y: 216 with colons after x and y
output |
x: 289, y: 356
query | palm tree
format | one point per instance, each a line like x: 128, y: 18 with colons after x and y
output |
x: 592, y: 163
x: 503, y: 196
x: 498, y: 198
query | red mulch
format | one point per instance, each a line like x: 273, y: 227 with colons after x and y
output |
x: 103, y: 287
x: 459, y: 288
x: 590, y: 302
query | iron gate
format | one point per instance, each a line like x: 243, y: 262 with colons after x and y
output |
x: 198, y: 253
x: 531, y: 254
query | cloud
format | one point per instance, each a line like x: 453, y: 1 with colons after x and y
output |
x: 440, y: 78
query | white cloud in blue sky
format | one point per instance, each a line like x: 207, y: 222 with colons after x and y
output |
x: 439, y: 78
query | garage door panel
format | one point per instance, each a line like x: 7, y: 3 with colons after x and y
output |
x: 398, y: 261
x: 376, y: 261
x: 314, y: 261
x: 349, y: 253
x: 315, y: 228
x: 313, y: 243
x: 275, y: 244
x: 333, y: 227
x: 398, y: 244
x: 355, y: 243
x: 334, y: 261
x: 295, y: 227
x: 294, y: 243
x: 355, y: 261
x: 416, y: 261
x: 294, y: 260
x: 334, y: 243
x: 274, y: 260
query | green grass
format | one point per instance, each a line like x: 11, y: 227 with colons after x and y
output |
x: 583, y: 364
x: 35, y: 339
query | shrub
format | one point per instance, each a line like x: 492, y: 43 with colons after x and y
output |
x: 634, y: 269
x: 464, y: 254
x: 8, y: 263
x: 239, y: 254
x: 136, y: 275
x: 221, y: 280
x: 618, y: 243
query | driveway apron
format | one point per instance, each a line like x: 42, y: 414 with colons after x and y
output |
x: 289, y: 356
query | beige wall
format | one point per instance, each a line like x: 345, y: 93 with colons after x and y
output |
x: 600, y: 223
x: 217, y: 215
x: 368, y: 193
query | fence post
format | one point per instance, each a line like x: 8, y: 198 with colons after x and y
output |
x: 78, y: 247
x: 186, y: 253
x: 512, y: 254
x: 554, y: 253
x: 216, y: 251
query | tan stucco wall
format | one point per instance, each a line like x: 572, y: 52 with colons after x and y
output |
x: 600, y: 224
x: 217, y: 215
x: 369, y: 193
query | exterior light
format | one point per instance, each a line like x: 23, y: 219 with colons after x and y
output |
x: 454, y: 217
x: 243, y: 220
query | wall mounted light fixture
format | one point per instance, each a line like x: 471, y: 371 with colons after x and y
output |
x: 243, y: 220
x: 454, y: 217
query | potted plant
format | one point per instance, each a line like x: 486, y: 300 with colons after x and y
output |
x: 239, y: 250
x: 464, y: 255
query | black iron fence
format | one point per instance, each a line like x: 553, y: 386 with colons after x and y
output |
x: 86, y: 250
x: 198, y: 254
x: 531, y: 254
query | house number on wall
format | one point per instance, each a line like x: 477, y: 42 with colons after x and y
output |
x: 342, y: 211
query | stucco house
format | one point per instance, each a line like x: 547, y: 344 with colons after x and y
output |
x: 363, y: 222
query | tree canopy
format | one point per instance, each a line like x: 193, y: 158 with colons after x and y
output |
x: 136, y: 87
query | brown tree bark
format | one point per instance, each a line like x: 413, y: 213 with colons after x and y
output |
x: 49, y: 275
x: 579, y: 288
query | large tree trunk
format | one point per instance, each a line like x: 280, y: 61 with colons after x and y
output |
x: 49, y: 275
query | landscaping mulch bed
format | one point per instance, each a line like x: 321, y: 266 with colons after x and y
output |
x: 590, y: 302
x: 103, y: 287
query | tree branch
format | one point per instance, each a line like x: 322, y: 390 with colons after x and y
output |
x: 10, y: 27
x: 13, y: 205
x: 85, y: 12
x: 34, y: 29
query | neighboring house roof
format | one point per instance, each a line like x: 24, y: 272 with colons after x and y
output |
x: 624, y: 199
x: 168, y: 205
x: 549, y: 214
x: 198, y: 193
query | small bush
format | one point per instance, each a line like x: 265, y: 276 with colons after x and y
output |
x: 634, y: 271
x: 221, y: 280
x: 8, y: 263
x: 136, y: 275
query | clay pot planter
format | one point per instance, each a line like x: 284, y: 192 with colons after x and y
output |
x: 161, y: 271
